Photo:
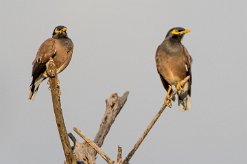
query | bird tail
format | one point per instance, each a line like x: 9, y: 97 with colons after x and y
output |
x: 34, y: 86
x: 184, y: 98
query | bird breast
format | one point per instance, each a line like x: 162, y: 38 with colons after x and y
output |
x: 64, y: 50
x: 171, y: 67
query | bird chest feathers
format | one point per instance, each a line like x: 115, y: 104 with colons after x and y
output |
x: 171, y: 65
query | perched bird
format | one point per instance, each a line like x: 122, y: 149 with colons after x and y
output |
x: 59, y: 48
x: 173, y: 63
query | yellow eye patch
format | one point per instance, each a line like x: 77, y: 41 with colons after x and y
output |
x: 57, y: 30
x: 176, y: 32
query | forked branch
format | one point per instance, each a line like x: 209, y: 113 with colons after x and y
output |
x: 113, y: 107
x: 94, y: 146
x: 88, y: 150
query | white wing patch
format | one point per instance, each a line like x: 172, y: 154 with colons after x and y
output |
x: 186, y: 67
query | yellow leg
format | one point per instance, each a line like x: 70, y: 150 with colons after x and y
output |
x: 167, y: 100
x: 169, y: 90
x: 179, y: 87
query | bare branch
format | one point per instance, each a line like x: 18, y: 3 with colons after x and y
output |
x: 119, y: 154
x: 149, y: 127
x: 94, y: 146
x: 114, y: 104
x: 55, y: 93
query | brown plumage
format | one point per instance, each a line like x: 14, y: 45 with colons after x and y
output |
x: 59, y: 48
x: 173, y: 63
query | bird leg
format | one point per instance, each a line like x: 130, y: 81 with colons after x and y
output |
x: 167, y: 100
x: 179, y: 86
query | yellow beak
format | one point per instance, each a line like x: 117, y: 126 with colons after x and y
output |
x: 64, y: 29
x: 185, y: 31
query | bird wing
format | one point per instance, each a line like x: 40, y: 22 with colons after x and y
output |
x: 64, y: 50
x: 188, y: 62
x: 45, y: 52
x: 164, y: 82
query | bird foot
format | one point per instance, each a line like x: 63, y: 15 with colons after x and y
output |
x: 51, y: 68
x: 168, y: 102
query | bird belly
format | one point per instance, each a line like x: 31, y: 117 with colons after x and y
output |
x: 172, y: 78
x: 174, y: 72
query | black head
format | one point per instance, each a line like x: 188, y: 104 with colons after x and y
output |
x: 60, y: 32
x: 176, y: 33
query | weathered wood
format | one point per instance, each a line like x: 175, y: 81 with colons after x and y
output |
x: 151, y: 124
x: 55, y: 93
x: 114, y: 105
x: 119, y: 155
x: 83, y: 151
x: 94, y: 146
x: 88, y: 150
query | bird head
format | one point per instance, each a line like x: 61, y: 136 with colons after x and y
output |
x: 60, y: 32
x: 177, y: 33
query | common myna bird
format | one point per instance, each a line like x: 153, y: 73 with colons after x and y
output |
x: 59, y: 48
x: 173, y: 63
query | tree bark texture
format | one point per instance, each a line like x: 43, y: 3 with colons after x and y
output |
x: 83, y: 151
x: 55, y: 93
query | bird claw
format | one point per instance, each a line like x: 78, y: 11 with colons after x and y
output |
x: 51, y: 73
x: 51, y: 68
x: 168, y: 102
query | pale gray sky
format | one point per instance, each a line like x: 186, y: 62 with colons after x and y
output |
x: 115, y: 43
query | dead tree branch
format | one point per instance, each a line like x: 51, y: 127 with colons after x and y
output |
x: 55, y: 93
x: 94, y: 146
x: 106, y: 123
x: 114, y: 105
x: 151, y: 124
x: 119, y: 155
x: 100, y: 151
x: 84, y: 152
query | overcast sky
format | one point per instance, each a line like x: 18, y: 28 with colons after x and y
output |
x: 115, y: 43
